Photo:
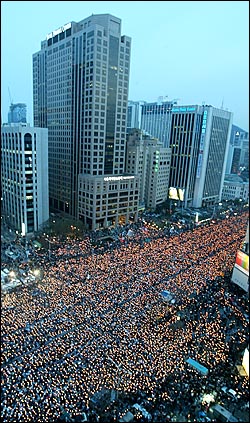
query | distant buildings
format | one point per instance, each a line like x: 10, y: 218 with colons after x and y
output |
x: 238, y: 152
x: 17, y: 113
x: 147, y: 158
x: 24, y: 176
x: 134, y: 115
x: 156, y: 120
x: 80, y: 85
x: 235, y: 187
x: 152, y: 118
x: 199, y: 139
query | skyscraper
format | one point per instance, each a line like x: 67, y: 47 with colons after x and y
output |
x: 238, y: 153
x: 80, y: 91
x: 17, y: 113
x: 199, y: 140
x: 134, y: 115
x: 156, y: 120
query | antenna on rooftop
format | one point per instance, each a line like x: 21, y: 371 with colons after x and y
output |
x: 222, y: 103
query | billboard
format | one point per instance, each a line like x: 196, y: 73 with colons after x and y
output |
x: 245, y: 361
x: 23, y: 229
x: 242, y: 262
x: 176, y: 193
x: 181, y: 194
x: 173, y: 193
x: 240, y: 278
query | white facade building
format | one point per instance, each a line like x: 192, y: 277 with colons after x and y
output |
x: 24, y: 176
x: 199, y: 140
x: 134, y: 115
x: 156, y: 119
x: 235, y: 188
x: 147, y: 158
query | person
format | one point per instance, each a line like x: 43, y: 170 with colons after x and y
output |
x: 106, y: 306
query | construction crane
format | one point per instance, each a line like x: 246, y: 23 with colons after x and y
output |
x: 11, y: 99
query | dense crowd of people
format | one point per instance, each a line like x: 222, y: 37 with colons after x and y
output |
x: 96, y: 320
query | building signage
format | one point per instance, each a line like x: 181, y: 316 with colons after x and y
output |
x: 203, y: 131
x: 117, y: 178
x: 59, y: 30
x: 240, y: 278
x: 183, y: 109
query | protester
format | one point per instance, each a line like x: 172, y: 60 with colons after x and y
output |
x: 96, y: 320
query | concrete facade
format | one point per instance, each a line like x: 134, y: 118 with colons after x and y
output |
x: 24, y: 176
x: 147, y: 158
x: 80, y: 85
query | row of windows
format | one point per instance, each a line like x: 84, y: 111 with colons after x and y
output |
x: 111, y: 202
x: 110, y: 214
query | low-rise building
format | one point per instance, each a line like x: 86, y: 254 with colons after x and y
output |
x: 106, y: 201
x: 235, y: 187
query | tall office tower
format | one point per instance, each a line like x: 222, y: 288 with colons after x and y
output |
x: 147, y: 158
x: 80, y: 85
x: 17, y: 113
x: 238, y: 152
x: 134, y: 115
x: 156, y: 120
x: 199, y: 141
x: 24, y: 176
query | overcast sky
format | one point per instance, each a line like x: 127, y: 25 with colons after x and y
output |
x: 193, y: 51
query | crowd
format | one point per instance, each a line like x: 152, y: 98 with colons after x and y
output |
x: 96, y: 320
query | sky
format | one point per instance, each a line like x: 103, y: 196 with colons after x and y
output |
x: 196, y: 52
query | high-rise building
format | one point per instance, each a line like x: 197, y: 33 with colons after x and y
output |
x: 238, y: 152
x: 199, y: 140
x: 147, y: 158
x: 80, y: 91
x: 17, y: 113
x: 24, y: 176
x: 134, y: 115
x: 156, y: 120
